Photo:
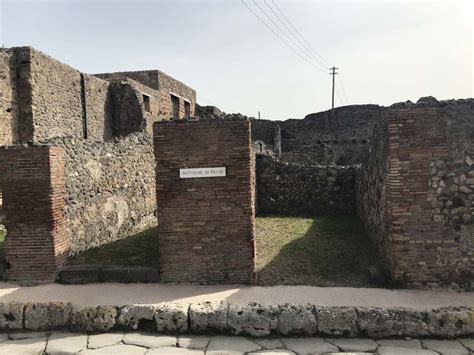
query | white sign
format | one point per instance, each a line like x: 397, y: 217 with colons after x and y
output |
x: 201, y: 172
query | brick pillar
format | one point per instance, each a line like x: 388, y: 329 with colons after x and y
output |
x: 33, y: 189
x: 206, y: 224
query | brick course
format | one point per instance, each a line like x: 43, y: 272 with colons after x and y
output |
x: 33, y: 192
x: 206, y: 225
x: 426, y: 171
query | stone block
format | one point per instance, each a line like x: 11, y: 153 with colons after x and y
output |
x: 252, y: 319
x: 383, y: 323
x: 45, y: 316
x: 295, y: 319
x: 129, y: 274
x: 208, y: 317
x: 79, y: 274
x: 172, y: 318
x: 11, y: 315
x: 451, y: 321
x: 337, y: 321
x: 131, y: 316
x: 92, y: 319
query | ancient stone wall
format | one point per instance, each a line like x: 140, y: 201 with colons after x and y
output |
x: 206, y: 225
x: 8, y: 104
x: 98, y: 105
x: 370, y: 183
x: 289, y: 188
x: 32, y: 182
x: 338, y: 136
x: 428, y: 193
x: 56, y: 98
x: 110, y: 189
x: 163, y: 83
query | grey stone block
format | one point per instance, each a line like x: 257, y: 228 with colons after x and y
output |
x: 208, y: 317
x: 129, y: 274
x: 451, y: 321
x: 252, y: 319
x: 50, y: 315
x: 130, y: 316
x: 11, y: 315
x: 337, y: 321
x: 297, y: 319
x: 172, y: 318
x: 100, y: 318
x: 79, y: 274
x: 383, y: 323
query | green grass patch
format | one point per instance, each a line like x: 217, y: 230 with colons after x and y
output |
x: 137, y: 250
x: 319, y: 251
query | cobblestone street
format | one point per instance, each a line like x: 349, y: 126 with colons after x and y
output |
x: 140, y: 343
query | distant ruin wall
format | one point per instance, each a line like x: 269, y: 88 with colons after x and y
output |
x: 287, y: 188
x: 339, y: 136
x: 168, y: 86
x: 428, y: 194
x: 110, y: 189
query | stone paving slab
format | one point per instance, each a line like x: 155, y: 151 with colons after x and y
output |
x: 151, y: 344
x: 231, y: 346
x: 309, y: 345
x: 269, y: 344
x: 66, y: 343
x: 401, y: 343
x: 23, y: 346
x: 149, y: 340
x: 354, y: 345
x: 194, y: 341
x: 102, y: 340
x: 446, y: 347
x: 116, y: 350
x: 468, y: 343
x: 393, y: 350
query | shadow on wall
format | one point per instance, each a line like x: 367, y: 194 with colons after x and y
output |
x: 317, y: 251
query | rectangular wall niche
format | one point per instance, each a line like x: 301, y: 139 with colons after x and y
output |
x: 206, y: 224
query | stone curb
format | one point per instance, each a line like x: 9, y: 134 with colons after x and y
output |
x: 252, y: 319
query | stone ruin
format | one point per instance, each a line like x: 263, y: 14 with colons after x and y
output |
x: 78, y: 163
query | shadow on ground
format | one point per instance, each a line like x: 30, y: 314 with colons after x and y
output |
x: 137, y: 250
x: 316, y: 251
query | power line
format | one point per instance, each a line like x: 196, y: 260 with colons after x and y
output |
x: 302, y: 50
x: 299, y: 34
x: 301, y: 44
x: 281, y: 38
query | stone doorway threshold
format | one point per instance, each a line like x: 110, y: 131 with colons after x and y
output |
x: 89, y: 274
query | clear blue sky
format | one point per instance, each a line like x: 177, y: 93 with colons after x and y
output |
x: 387, y: 51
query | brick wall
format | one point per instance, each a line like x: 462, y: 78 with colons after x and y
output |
x: 32, y: 182
x: 290, y: 188
x: 206, y: 225
x: 428, y: 189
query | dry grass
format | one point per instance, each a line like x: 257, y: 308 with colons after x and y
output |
x: 319, y: 251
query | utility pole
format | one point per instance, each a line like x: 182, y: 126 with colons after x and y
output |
x: 333, y: 73
x: 258, y: 114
